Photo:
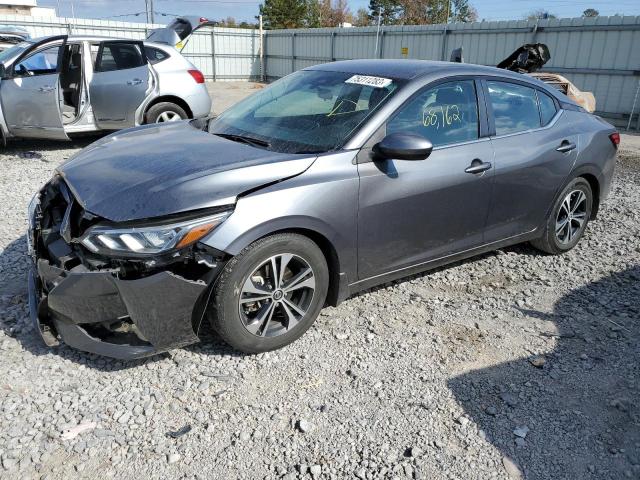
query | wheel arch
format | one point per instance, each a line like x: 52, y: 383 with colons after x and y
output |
x: 595, y: 178
x: 319, y: 234
x: 169, y: 99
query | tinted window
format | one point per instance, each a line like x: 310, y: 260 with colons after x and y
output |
x: 155, y: 55
x: 40, y: 63
x: 119, y: 56
x: 515, y: 107
x: 445, y: 114
x: 547, y: 108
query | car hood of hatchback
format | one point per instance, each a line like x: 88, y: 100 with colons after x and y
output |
x: 153, y: 171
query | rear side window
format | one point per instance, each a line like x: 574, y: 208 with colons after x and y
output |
x: 547, y: 108
x: 119, y: 56
x: 155, y: 55
x: 444, y: 114
x: 515, y: 107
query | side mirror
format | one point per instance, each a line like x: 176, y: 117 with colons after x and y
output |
x: 2, y: 71
x: 403, y: 146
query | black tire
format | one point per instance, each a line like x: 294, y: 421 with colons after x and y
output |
x: 557, y: 242
x: 225, y: 311
x: 155, y: 113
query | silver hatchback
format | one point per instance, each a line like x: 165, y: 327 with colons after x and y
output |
x: 57, y: 86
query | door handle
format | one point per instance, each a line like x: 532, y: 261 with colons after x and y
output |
x: 135, y: 81
x: 46, y: 88
x: 566, y: 146
x: 478, y: 166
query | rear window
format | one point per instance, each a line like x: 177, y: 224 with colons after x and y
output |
x: 119, y: 56
x: 155, y: 55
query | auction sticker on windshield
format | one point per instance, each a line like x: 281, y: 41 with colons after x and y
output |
x: 376, y: 82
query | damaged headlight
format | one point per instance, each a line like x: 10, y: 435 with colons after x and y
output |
x: 151, y: 239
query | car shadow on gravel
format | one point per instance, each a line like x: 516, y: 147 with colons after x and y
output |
x: 576, y: 414
x: 15, y: 321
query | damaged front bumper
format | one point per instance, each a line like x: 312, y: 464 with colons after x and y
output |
x: 126, y: 319
x: 124, y: 309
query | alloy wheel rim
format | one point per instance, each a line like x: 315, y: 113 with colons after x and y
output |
x: 277, y: 295
x: 571, y: 217
x: 168, y: 117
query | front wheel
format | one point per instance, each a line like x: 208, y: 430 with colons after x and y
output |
x: 270, y: 293
x: 568, y: 219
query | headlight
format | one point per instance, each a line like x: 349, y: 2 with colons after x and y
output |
x: 150, y: 240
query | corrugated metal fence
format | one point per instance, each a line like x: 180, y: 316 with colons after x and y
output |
x: 220, y: 53
x: 598, y: 54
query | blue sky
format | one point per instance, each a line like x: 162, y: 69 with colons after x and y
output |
x: 248, y: 9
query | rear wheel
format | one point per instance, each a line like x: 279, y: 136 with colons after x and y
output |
x: 270, y: 294
x: 166, y: 112
x: 568, y: 219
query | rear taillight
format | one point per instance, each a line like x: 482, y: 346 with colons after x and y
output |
x: 615, y: 139
x: 197, y: 76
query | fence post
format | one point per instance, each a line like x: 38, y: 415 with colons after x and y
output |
x: 293, y: 52
x: 213, y: 54
x: 333, y: 46
x: 443, y: 52
x: 381, y: 51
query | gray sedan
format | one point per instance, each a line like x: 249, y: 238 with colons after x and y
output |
x: 330, y: 181
x: 58, y: 86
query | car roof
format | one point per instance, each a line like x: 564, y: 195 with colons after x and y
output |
x: 409, y: 69
x: 93, y: 38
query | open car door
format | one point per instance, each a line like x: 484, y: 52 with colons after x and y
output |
x: 30, y: 91
x: 120, y: 83
x: 177, y: 32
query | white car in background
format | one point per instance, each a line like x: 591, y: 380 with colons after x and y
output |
x: 57, y: 86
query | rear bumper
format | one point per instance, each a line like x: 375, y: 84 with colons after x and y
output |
x: 200, y: 102
x: 158, y: 311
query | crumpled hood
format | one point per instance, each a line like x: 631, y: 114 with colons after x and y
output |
x: 153, y: 171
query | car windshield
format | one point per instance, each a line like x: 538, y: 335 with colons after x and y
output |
x: 14, y: 51
x: 306, y: 112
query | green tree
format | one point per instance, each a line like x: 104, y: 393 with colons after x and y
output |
x: 391, y: 11
x: 313, y: 16
x: 463, y: 11
x: 284, y: 13
x: 590, y: 12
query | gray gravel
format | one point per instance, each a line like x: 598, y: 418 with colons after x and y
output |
x: 511, y: 365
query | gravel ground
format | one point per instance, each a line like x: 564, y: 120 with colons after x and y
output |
x: 510, y: 365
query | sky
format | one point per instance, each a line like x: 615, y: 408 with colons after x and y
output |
x: 247, y: 9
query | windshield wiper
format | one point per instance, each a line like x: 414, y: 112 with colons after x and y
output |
x: 254, y: 142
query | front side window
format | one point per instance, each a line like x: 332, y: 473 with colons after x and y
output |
x: 44, y: 62
x: 307, y: 111
x: 515, y: 107
x: 119, y: 56
x: 444, y: 114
